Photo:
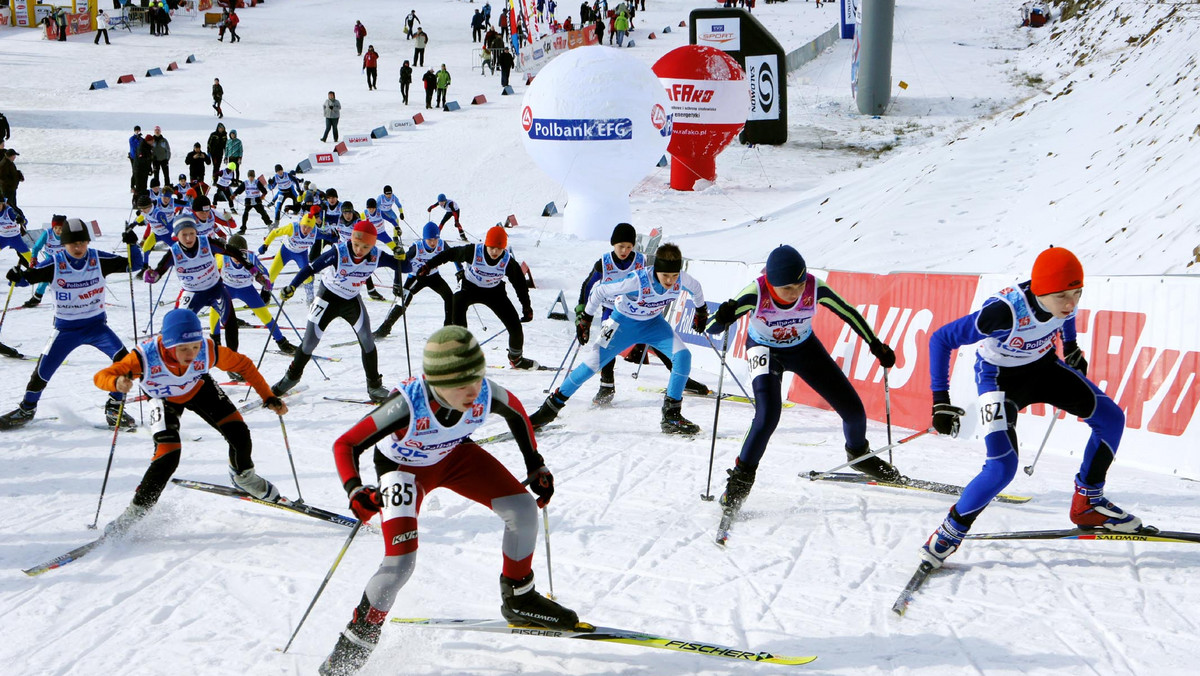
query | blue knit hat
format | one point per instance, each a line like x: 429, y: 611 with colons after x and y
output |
x: 785, y: 266
x: 441, y: 197
x: 181, y: 326
x: 431, y: 231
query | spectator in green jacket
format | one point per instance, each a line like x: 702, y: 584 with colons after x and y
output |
x: 443, y: 83
x: 233, y: 153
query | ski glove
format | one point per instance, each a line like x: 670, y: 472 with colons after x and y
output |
x: 262, y: 249
x: 287, y: 292
x: 461, y: 277
x: 725, y: 315
x: 700, y: 319
x: 1075, y: 357
x: 272, y: 403
x: 150, y: 276
x: 945, y: 418
x: 129, y: 237
x: 541, y: 482
x: 526, y: 314
x: 365, y: 503
x: 423, y: 272
x: 579, y: 311
x: 885, y: 355
x: 583, y: 327
x: 14, y: 274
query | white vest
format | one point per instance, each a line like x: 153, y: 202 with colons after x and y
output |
x: 424, y: 253
x: 425, y: 441
x: 610, y: 271
x: 199, y: 272
x: 78, y: 294
x: 237, y: 277
x: 774, y: 326
x: 345, y: 276
x: 1028, y: 339
x: 298, y: 242
x: 158, y: 381
x: 481, y: 274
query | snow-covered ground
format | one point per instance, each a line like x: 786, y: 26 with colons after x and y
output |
x: 1005, y: 141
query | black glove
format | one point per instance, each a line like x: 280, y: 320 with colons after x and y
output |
x: 1075, y: 357
x: 424, y: 271
x: 583, y: 327
x: 526, y: 314
x: 700, y: 319
x: 398, y: 290
x: 461, y: 277
x: 365, y: 503
x: 945, y: 415
x: 541, y: 482
x: 885, y: 355
x: 15, y: 274
x: 129, y: 237
x: 724, y: 316
x: 287, y: 292
x: 272, y: 402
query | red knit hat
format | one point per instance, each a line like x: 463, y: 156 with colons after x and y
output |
x: 364, y: 231
x: 496, y: 238
x: 1056, y: 269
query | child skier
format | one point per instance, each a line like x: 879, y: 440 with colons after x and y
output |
x: 12, y: 226
x: 299, y: 238
x: 423, y: 432
x: 77, y: 273
x: 486, y: 267
x: 239, y: 282
x: 419, y: 255
x: 639, y: 299
x: 174, y: 371
x: 158, y: 217
x: 1016, y: 365
x: 452, y: 211
x: 253, y: 200
x: 780, y: 338
x: 344, y: 268
x: 225, y: 186
x: 286, y: 187
x: 390, y: 203
x: 50, y: 244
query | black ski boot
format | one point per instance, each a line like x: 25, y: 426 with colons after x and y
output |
x: 673, y: 421
x: 385, y: 329
x: 524, y: 606
x: 605, y: 395
x: 374, y: 295
x: 737, y: 488
x: 111, y: 408
x: 549, y: 409
x: 285, y: 383
x: 265, y: 295
x: 354, y: 645
x: 236, y: 377
x: 694, y: 387
x: 285, y: 347
x: 875, y: 466
x: 516, y: 361
x: 18, y: 417
x: 375, y: 389
x: 34, y: 301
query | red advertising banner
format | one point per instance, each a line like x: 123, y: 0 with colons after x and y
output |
x: 76, y: 25
x: 903, y: 309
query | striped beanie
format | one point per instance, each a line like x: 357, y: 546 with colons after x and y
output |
x: 453, y: 358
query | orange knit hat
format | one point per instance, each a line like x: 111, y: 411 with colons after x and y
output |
x: 496, y: 238
x: 1056, y: 269
x: 364, y: 231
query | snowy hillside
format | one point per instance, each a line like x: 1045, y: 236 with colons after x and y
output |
x: 1006, y: 140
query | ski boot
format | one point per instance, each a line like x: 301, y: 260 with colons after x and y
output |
x: 694, y: 387
x: 874, y: 466
x: 1090, y: 509
x: 242, y: 323
x: 241, y: 230
x: 121, y: 525
x: 737, y: 488
x: 374, y: 295
x: 523, y: 605
x: 285, y: 347
x: 258, y: 487
x: 385, y: 329
x: 354, y: 645
x: 265, y: 295
x: 549, y: 409
x: 673, y: 421
x: 605, y: 394
x: 18, y: 417
x: 285, y: 383
x: 462, y: 235
x: 522, y: 363
x: 111, y: 408
x: 34, y: 301
x: 235, y: 377
x: 376, y: 391
x: 944, y: 541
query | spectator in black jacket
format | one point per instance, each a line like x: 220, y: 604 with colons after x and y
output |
x: 405, y: 80
x: 144, y: 166
x: 196, y: 161
x: 162, y: 157
x: 505, y: 61
x: 134, y: 142
x: 430, y: 80
x: 6, y: 133
x: 216, y: 148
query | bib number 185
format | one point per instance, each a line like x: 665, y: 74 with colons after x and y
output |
x: 398, y: 492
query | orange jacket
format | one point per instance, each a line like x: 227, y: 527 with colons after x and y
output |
x: 221, y: 357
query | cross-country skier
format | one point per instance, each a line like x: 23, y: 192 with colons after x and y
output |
x: 485, y: 267
x: 286, y: 186
x: 639, y: 299
x: 253, y: 200
x: 419, y: 254
x: 390, y: 203
x: 77, y: 273
x: 1016, y: 365
x: 49, y: 243
x: 381, y: 219
x: 611, y: 266
x: 344, y: 268
x: 225, y: 181
x: 207, y: 223
x: 423, y: 436
x: 782, y: 304
x: 239, y: 282
x: 174, y: 371
x: 12, y: 226
x: 298, y: 239
x: 451, y: 211
x: 158, y: 218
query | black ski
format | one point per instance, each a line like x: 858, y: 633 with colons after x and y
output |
x: 6, y: 351
x: 1145, y: 534
x: 911, y: 588
x: 910, y: 484
x: 314, y: 356
x: 251, y: 405
x: 297, y: 507
x: 60, y: 561
x: 505, y: 436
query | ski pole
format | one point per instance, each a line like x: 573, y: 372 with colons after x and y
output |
x: 259, y: 363
x: 349, y: 539
x: 641, y: 360
x: 712, y: 450
x: 111, y: 452
x: 225, y: 102
x: 133, y: 310
x: 727, y: 368
x: 1054, y: 419
x: 887, y: 407
x: 154, y: 308
x: 299, y: 336
x: 288, y: 448
x: 480, y: 318
x: 560, y: 365
x: 817, y: 475
x: 11, y: 286
x: 407, y: 350
x: 549, y: 569
x: 494, y: 335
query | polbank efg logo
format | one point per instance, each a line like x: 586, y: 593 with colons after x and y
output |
x: 766, y: 87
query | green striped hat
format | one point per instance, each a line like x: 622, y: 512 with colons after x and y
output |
x: 453, y: 358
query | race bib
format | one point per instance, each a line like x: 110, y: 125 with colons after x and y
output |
x: 398, y: 493
x: 317, y: 310
x: 992, y: 417
x: 758, y: 358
